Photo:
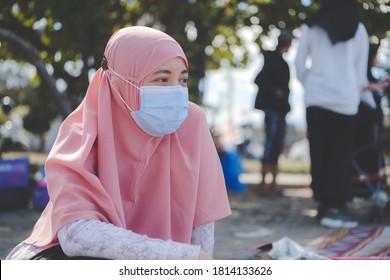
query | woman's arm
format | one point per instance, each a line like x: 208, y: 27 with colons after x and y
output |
x: 203, y: 236
x: 362, y: 49
x: 302, y: 53
x: 94, y: 238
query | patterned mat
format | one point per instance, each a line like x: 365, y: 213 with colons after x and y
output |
x: 358, y: 243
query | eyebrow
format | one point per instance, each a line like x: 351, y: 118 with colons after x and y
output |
x: 165, y: 71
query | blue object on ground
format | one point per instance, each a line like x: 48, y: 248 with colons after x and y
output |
x: 40, y: 193
x: 232, y: 168
x: 14, y: 183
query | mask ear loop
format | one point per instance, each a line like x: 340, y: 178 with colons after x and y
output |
x: 120, y: 76
x: 116, y: 91
x: 105, y: 67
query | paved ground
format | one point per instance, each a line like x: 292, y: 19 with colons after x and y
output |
x: 255, y: 219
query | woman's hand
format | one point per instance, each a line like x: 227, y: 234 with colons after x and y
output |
x: 279, y: 92
x: 375, y: 86
x: 204, y: 256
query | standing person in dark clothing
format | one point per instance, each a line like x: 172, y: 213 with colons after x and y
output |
x: 370, y: 120
x: 272, y: 98
x: 335, y: 42
x: 375, y: 85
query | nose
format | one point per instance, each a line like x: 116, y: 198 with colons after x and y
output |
x: 173, y: 83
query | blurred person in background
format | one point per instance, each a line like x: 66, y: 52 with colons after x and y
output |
x: 331, y: 63
x: 273, y: 98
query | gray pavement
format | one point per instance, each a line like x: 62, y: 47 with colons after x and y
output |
x: 255, y: 219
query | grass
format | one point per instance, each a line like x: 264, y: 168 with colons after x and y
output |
x: 253, y: 166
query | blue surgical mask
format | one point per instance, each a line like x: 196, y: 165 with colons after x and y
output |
x: 163, y: 108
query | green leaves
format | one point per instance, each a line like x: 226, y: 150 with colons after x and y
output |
x: 75, y: 32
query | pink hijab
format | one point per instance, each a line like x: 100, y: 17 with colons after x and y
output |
x: 104, y: 167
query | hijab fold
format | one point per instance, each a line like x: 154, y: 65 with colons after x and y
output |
x: 104, y: 167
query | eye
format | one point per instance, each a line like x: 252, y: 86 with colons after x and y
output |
x: 183, y: 80
x: 162, y: 79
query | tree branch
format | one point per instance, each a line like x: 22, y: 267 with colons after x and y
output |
x: 33, y: 57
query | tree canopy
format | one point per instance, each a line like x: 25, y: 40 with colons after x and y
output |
x: 65, y: 40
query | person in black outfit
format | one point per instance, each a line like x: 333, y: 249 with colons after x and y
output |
x: 370, y: 121
x: 272, y: 97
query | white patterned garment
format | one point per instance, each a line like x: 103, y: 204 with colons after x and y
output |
x: 204, y: 237
x: 102, y: 240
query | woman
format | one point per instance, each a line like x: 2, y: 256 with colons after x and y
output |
x: 336, y: 44
x: 133, y: 173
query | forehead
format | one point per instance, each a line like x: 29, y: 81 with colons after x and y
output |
x: 135, y: 52
x: 173, y: 64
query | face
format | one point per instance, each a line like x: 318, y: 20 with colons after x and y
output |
x: 172, y: 73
